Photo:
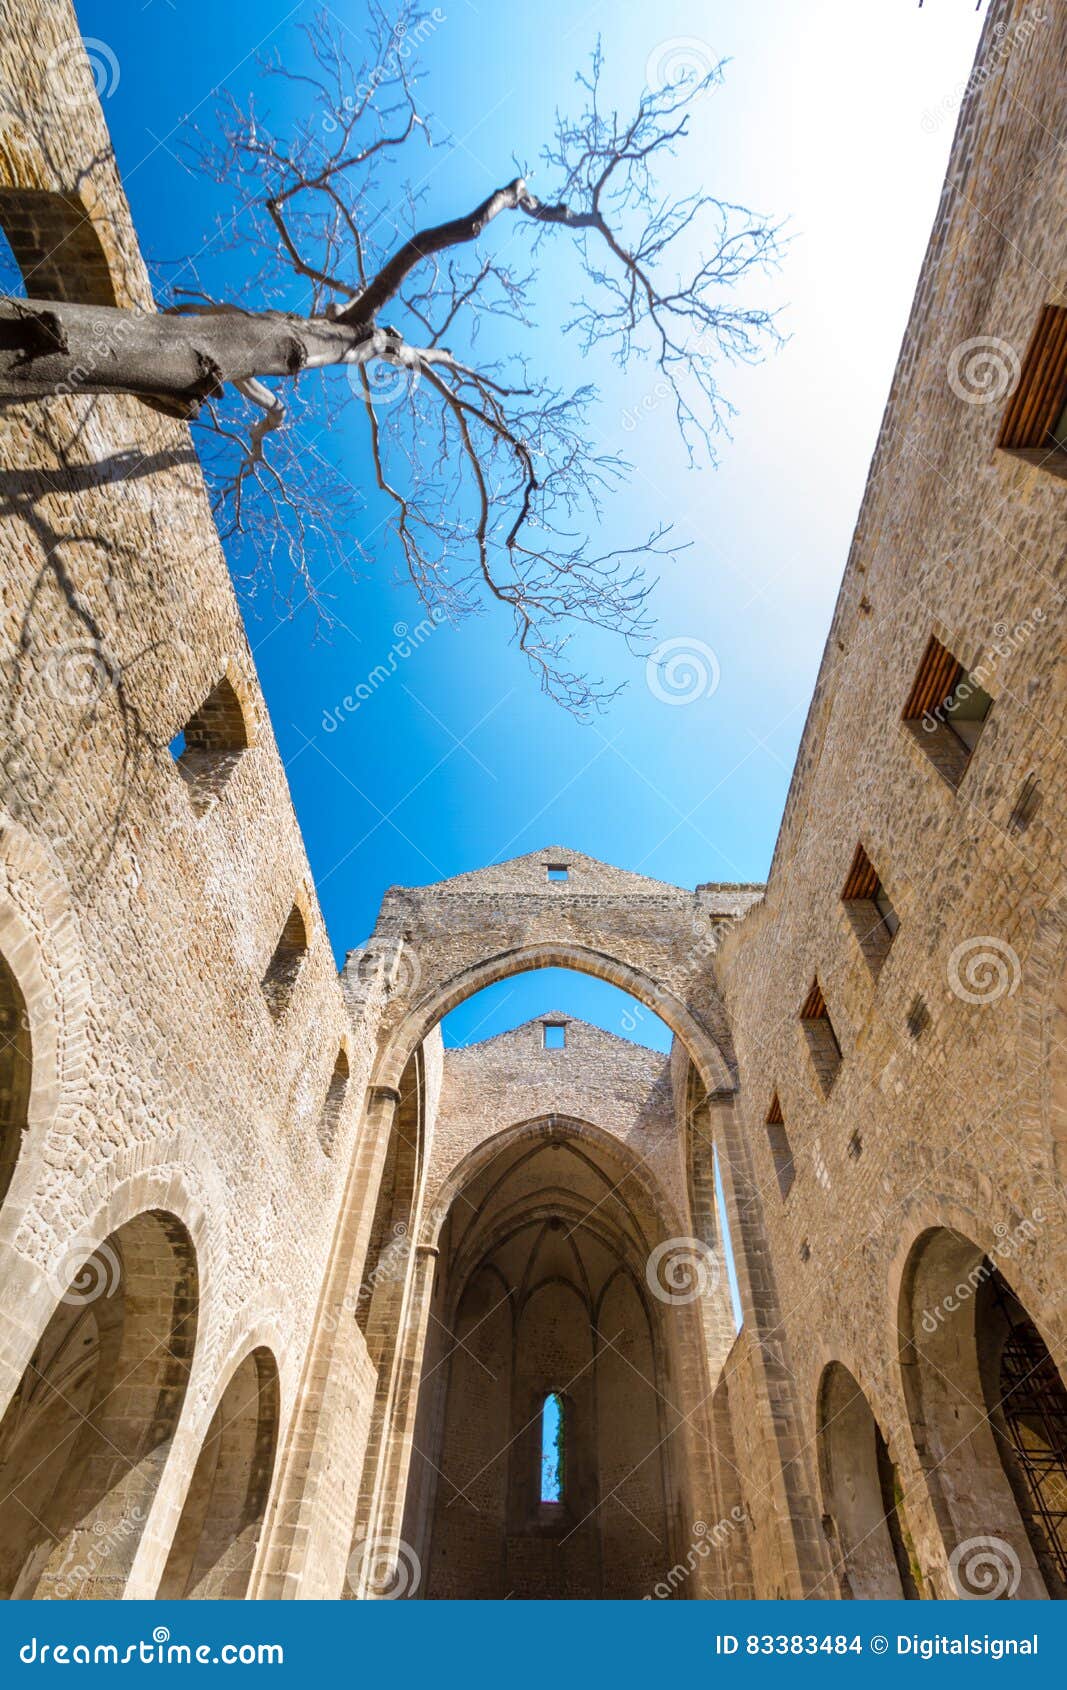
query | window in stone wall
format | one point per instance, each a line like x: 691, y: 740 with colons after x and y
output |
x: 1034, y: 426
x: 557, y: 871
x: 56, y: 246
x: 330, y: 1118
x: 946, y: 711
x: 873, y: 918
x: 822, y: 1041
x: 285, y: 964
x: 553, y: 1425
x: 554, y: 1035
x: 780, y: 1150
x: 207, y: 749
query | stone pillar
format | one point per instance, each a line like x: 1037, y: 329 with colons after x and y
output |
x: 790, y: 1481
x: 308, y: 1535
x: 395, y: 1465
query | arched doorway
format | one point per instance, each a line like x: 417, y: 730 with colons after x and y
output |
x: 87, y: 1432
x: 542, y: 1297
x: 218, y: 1533
x: 864, y: 1505
x: 989, y: 1417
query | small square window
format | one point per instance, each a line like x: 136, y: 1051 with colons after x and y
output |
x: 1026, y: 805
x: 918, y: 1017
x: 946, y: 711
x: 557, y: 871
x: 1034, y: 426
x: 554, y: 1035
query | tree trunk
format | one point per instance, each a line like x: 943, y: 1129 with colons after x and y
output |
x: 52, y: 347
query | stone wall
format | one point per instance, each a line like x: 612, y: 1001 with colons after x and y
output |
x: 138, y: 925
x: 943, y: 1112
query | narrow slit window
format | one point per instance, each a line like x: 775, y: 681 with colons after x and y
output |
x: 554, y: 1035
x: 1034, y: 426
x: 946, y: 711
x: 780, y: 1149
x: 869, y: 910
x: 822, y: 1040
x: 552, y: 1435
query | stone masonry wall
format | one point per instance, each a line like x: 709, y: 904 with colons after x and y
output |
x: 140, y: 930
x: 956, y: 1121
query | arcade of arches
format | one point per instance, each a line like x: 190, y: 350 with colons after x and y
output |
x: 296, y: 1301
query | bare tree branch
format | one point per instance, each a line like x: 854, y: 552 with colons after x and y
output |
x: 484, y: 466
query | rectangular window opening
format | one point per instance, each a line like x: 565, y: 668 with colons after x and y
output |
x: 554, y: 1035
x: 822, y: 1041
x: 780, y: 1149
x: 557, y: 871
x: 946, y: 711
x: 1034, y: 425
x: 867, y: 904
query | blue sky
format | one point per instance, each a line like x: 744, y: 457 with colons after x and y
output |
x: 835, y: 117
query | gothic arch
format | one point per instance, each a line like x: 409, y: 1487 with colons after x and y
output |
x: 961, y: 1307
x: 543, y: 1278
x: 87, y: 1433
x: 863, y: 1505
x: 705, y: 1048
x: 215, y: 1542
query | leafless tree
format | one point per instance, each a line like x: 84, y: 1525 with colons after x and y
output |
x: 490, y: 472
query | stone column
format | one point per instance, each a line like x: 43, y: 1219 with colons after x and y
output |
x: 392, y: 1483
x: 308, y: 1535
x: 804, y: 1561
